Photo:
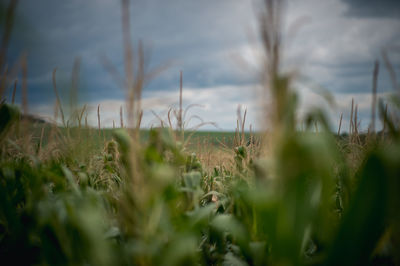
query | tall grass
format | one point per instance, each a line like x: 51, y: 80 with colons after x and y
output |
x: 293, y: 197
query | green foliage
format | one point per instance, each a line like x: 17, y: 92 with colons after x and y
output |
x: 112, y: 197
x: 152, y: 204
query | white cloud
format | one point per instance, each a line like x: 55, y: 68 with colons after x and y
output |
x: 217, y: 104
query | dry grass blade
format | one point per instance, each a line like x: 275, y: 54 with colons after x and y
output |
x: 98, y: 119
x: 356, y: 119
x: 110, y: 68
x: 351, y: 126
x: 8, y: 25
x: 135, y: 77
x: 340, y: 124
x: 24, y: 67
x: 24, y: 92
x: 384, y: 124
x: 186, y: 123
x: 13, y: 93
x: 152, y: 73
x: 159, y: 118
x: 270, y: 22
x: 3, y: 80
x: 391, y: 70
x: 131, y: 84
x: 139, y: 83
x: 236, y: 139
x: 41, y: 139
x: 279, y: 111
x: 190, y: 106
x: 128, y: 53
x: 180, y: 124
x: 239, y: 121
x: 80, y: 116
x: 243, y: 123
x: 170, y: 119
x: 58, y: 97
x: 357, y: 125
x: 374, y: 91
x: 139, y: 121
x: 74, y: 84
x: 121, y: 117
x: 240, y: 134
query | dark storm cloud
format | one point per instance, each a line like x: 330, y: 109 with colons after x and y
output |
x: 193, y: 35
x: 357, y: 78
x: 198, y: 37
x: 374, y: 8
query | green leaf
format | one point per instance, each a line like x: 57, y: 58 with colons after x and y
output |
x: 363, y: 223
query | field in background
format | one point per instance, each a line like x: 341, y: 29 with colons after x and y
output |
x: 40, y: 132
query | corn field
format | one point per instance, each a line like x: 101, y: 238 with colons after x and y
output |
x: 70, y: 194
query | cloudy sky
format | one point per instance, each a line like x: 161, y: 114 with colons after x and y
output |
x: 214, y: 43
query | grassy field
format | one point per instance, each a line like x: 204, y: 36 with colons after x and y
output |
x: 80, y: 196
x: 130, y: 196
x: 41, y: 131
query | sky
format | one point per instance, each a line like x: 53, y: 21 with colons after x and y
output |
x: 215, y: 44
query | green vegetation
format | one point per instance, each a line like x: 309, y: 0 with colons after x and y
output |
x: 85, y: 196
x: 313, y: 202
